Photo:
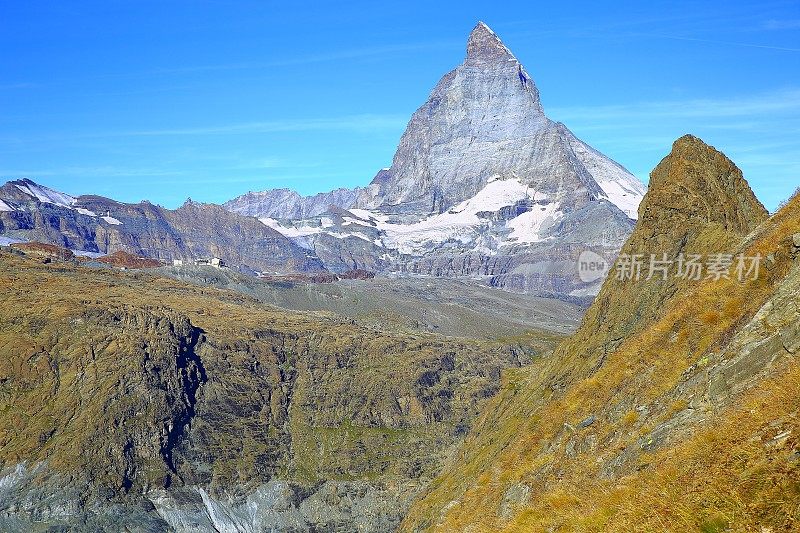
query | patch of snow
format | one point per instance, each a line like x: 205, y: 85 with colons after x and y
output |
x: 111, y: 220
x: 5, y: 241
x: 621, y: 188
x: 86, y: 212
x: 293, y: 232
x: 494, y: 196
x: 460, y: 224
x: 5, y: 207
x: 363, y: 214
x: 376, y: 242
x: 350, y: 221
x: 625, y: 198
x: 46, y: 194
x: 531, y: 226
x: 84, y: 253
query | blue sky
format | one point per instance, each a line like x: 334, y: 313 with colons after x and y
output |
x: 209, y: 99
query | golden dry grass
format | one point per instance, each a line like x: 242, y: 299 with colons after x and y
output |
x: 711, y: 476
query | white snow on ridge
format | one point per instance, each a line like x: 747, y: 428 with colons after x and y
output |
x: 112, y: 221
x: 46, y: 194
x: 494, y: 196
x: 293, y: 232
x: 86, y: 212
x: 91, y: 255
x: 5, y: 207
x: 460, y: 224
x: 621, y: 188
x: 5, y: 241
x: 624, y: 197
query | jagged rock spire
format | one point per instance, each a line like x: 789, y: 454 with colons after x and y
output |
x: 485, y: 46
x: 699, y: 184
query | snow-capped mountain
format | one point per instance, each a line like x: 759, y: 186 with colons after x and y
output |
x: 483, y: 183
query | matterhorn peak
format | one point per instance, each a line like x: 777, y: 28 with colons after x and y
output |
x: 485, y: 46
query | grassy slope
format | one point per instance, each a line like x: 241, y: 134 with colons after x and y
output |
x: 658, y: 456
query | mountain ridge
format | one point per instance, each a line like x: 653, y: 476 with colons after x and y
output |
x: 100, y: 225
x: 483, y: 185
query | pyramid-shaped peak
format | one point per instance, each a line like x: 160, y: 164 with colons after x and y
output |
x: 697, y: 182
x: 485, y: 45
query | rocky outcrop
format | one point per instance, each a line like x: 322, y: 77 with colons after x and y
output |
x: 671, y: 388
x: 697, y: 203
x: 696, y: 184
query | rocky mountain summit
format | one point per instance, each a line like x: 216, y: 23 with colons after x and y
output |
x: 482, y: 184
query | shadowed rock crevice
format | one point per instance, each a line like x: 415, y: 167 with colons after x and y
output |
x: 192, y: 376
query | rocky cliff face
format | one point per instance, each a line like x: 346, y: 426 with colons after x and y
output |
x: 673, y: 393
x: 102, y: 226
x: 482, y: 184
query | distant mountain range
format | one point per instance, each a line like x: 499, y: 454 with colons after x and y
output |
x: 93, y: 225
x: 483, y: 185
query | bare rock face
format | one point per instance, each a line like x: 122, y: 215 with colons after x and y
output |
x: 697, y: 183
x: 483, y: 120
x: 288, y: 204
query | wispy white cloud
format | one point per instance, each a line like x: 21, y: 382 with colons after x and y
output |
x: 776, y: 102
x: 786, y: 24
x: 363, y: 123
x: 332, y: 56
x: 91, y: 172
x: 726, y: 43
x: 19, y: 85
x: 366, y: 52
